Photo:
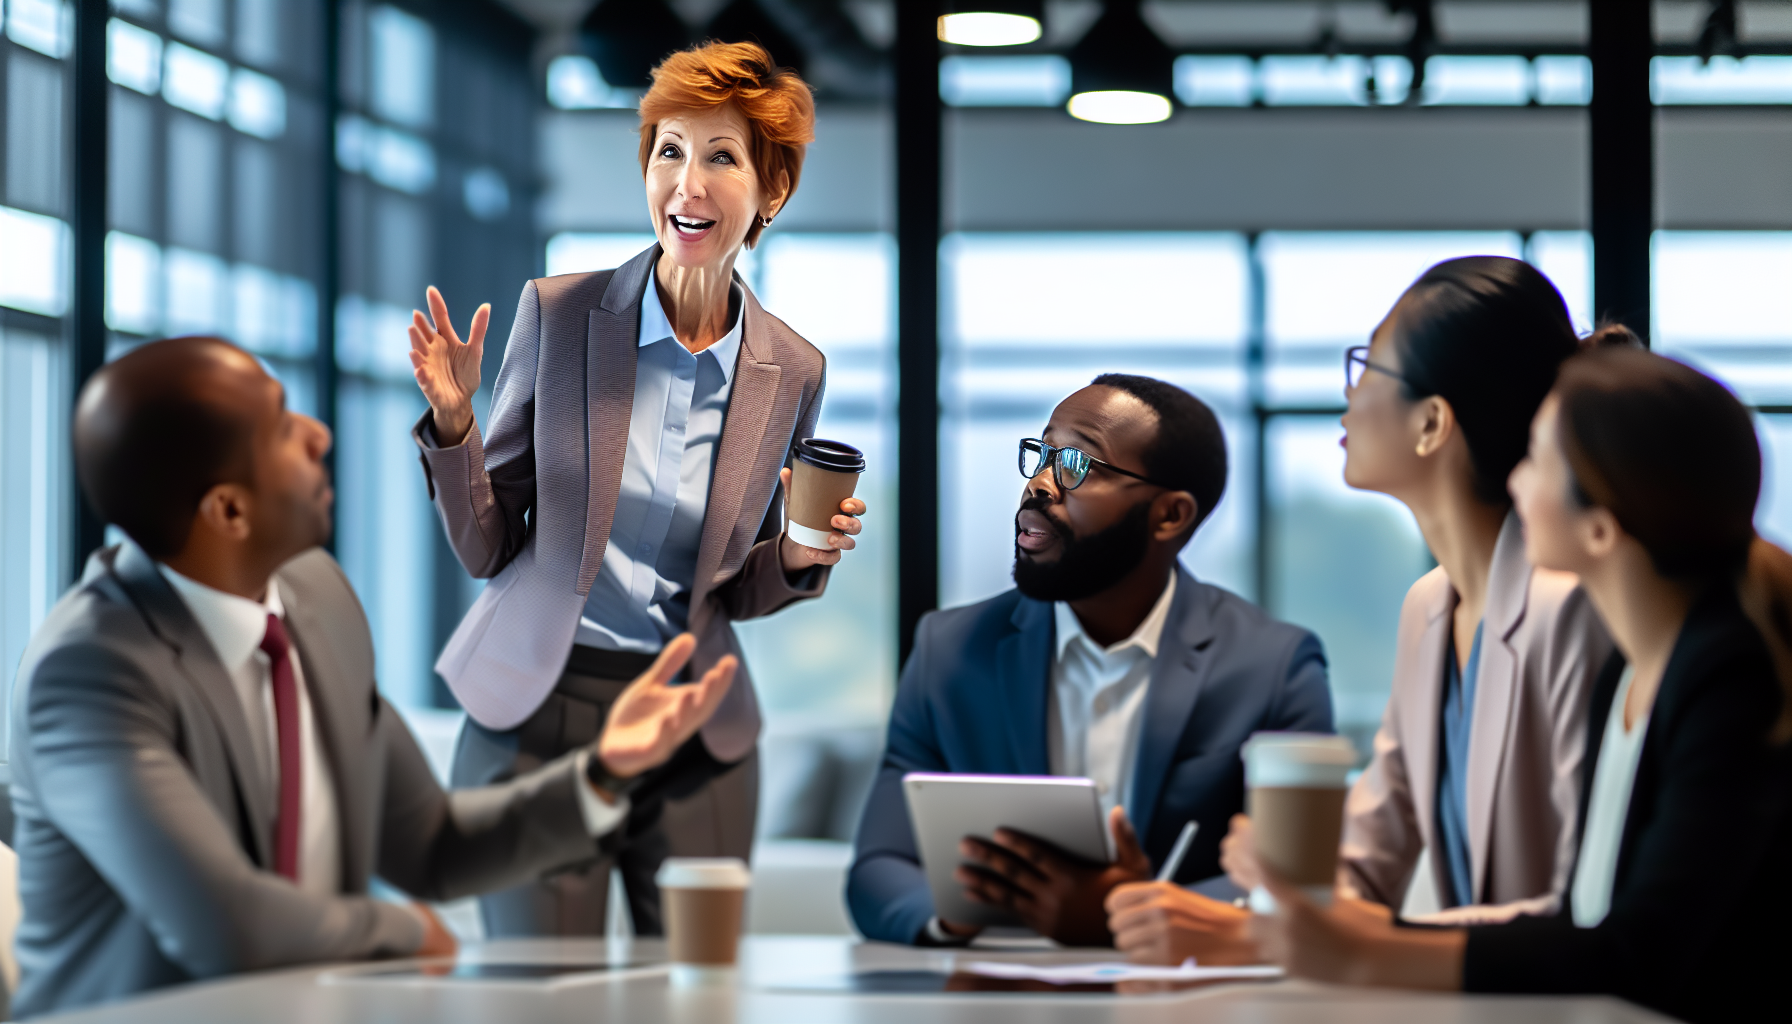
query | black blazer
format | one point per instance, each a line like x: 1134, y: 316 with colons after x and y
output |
x: 1701, y: 915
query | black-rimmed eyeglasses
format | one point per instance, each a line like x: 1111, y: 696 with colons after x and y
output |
x: 1070, y: 466
x: 1356, y: 363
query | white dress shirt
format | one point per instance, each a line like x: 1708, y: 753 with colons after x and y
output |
x: 1096, y: 697
x: 1092, y: 720
x: 641, y: 597
x: 1608, y: 805
x: 235, y: 626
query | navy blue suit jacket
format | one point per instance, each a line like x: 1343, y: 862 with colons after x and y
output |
x: 973, y: 699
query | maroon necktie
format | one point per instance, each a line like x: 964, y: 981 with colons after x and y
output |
x: 286, y: 723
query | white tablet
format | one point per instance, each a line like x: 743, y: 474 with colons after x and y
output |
x: 943, y: 809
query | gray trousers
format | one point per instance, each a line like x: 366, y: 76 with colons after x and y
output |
x: 691, y: 807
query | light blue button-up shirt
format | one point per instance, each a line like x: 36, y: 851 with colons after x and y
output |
x: 642, y: 595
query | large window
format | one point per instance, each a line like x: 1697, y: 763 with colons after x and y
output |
x: 435, y: 169
x: 1031, y: 317
x: 34, y: 295
x: 1723, y: 304
x: 215, y: 153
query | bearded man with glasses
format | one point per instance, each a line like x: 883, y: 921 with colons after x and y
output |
x: 1107, y: 660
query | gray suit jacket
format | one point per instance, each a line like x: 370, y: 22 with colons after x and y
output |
x: 1541, y: 652
x: 144, y: 824
x: 529, y: 504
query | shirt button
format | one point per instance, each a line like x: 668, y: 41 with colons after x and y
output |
x: 646, y: 549
x: 1101, y: 705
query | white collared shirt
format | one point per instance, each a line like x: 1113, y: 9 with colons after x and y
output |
x: 641, y: 597
x: 1096, y: 699
x: 1608, y: 806
x: 235, y: 626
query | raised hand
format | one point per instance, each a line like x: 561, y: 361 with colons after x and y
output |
x: 653, y: 718
x: 446, y: 368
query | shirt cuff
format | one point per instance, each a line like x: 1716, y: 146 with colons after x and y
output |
x: 601, y: 816
x: 937, y: 935
x: 426, y: 433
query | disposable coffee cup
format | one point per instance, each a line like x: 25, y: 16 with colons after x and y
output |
x: 704, y: 899
x: 822, y: 476
x: 1296, y: 786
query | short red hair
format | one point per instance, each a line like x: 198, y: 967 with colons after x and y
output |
x: 777, y: 104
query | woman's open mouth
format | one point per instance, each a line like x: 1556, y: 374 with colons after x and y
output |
x: 690, y: 227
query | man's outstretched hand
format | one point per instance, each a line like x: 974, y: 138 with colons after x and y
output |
x: 1054, y: 893
x: 653, y: 718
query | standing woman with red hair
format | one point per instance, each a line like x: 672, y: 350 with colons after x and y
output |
x: 628, y: 489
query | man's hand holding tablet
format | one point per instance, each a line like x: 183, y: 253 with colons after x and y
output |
x: 1057, y: 894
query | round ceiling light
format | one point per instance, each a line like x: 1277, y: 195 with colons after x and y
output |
x: 988, y: 28
x: 1120, y: 106
x: 1120, y: 71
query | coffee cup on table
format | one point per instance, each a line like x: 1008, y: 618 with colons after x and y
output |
x: 704, y: 899
x: 1296, y: 784
x: 822, y: 475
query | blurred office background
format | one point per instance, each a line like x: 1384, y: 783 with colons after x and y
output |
x: 293, y: 174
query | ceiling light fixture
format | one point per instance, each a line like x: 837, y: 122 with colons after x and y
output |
x: 1120, y: 71
x: 993, y: 23
x: 627, y: 38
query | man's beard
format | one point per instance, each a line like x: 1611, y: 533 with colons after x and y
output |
x: 1088, y: 566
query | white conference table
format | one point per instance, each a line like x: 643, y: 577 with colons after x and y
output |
x: 773, y: 976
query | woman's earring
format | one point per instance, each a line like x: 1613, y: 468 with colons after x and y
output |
x: 765, y: 222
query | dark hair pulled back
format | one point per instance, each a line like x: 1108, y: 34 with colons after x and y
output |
x: 1673, y: 456
x: 1487, y: 334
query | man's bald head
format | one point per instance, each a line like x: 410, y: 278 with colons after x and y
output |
x: 162, y: 425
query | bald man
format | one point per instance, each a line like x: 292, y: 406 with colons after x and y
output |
x: 205, y: 776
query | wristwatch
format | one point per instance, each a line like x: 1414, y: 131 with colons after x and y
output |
x: 599, y: 775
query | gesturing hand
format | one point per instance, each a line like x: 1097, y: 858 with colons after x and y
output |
x: 1052, y: 892
x: 446, y: 368
x: 652, y: 718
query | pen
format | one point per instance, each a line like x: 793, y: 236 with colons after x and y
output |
x: 1179, y: 851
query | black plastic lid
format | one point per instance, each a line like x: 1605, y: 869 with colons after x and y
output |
x: 835, y: 456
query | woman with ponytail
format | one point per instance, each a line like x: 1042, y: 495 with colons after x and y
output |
x: 1467, y: 810
x: 1642, y: 478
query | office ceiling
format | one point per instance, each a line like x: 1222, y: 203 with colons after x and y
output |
x: 842, y: 46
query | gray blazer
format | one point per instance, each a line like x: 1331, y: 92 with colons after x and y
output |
x: 1541, y: 652
x: 529, y: 504
x: 144, y: 823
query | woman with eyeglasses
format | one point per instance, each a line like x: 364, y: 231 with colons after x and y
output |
x: 628, y: 487
x: 1642, y: 479
x: 1466, y: 811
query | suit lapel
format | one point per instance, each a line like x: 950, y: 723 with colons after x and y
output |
x: 176, y: 625
x: 612, y: 335
x: 1023, y: 683
x: 1177, y: 675
x: 1508, y: 592
x: 1424, y: 721
x: 737, y: 457
x: 324, y: 682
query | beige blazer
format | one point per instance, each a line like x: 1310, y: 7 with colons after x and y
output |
x: 1542, y: 647
x: 528, y: 503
